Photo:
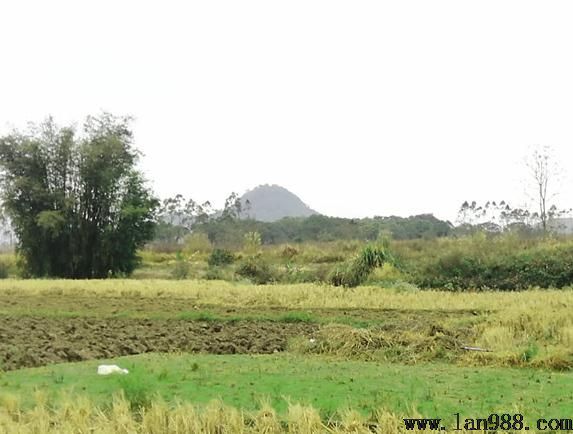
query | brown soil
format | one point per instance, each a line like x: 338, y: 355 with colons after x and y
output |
x: 43, y: 329
x: 27, y: 341
x: 55, y: 305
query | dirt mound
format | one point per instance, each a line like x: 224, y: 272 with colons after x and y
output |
x: 36, y: 341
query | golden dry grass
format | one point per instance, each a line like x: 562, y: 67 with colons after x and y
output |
x: 294, y: 296
x: 78, y: 415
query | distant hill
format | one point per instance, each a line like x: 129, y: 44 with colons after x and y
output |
x: 269, y: 203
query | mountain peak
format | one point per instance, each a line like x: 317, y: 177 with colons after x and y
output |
x: 269, y: 203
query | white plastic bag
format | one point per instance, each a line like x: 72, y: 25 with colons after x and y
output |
x: 110, y: 369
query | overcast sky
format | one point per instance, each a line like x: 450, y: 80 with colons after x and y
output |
x: 360, y: 108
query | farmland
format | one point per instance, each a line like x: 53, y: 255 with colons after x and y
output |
x: 286, y: 217
x: 275, y: 358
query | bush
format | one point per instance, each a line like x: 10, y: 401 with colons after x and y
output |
x: 350, y: 275
x: 289, y: 252
x: 182, y: 267
x: 3, y: 269
x: 356, y: 272
x: 493, y: 266
x: 221, y: 257
x: 255, y: 269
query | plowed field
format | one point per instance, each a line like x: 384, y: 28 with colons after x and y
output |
x: 27, y: 341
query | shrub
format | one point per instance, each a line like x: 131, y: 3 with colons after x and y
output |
x: 289, y: 252
x: 221, y: 257
x: 182, y: 267
x: 495, y: 266
x: 356, y: 272
x: 3, y: 269
x: 255, y: 269
x: 350, y: 275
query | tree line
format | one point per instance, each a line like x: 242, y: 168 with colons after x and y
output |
x: 229, y: 232
x: 79, y: 207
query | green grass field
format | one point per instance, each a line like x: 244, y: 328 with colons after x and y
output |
x: 326, y: 383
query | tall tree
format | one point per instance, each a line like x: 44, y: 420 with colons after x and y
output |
x: 79, y: 206
x: 181, y: 216
x: 539, y: 166
x: 233, y: 207
x: 544, y: 173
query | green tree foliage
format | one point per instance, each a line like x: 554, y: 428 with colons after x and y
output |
x: 79, y: 207
x: 233, y: 208
x: 230, y: 232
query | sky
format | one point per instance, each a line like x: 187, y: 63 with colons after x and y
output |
x: 360, y: 108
